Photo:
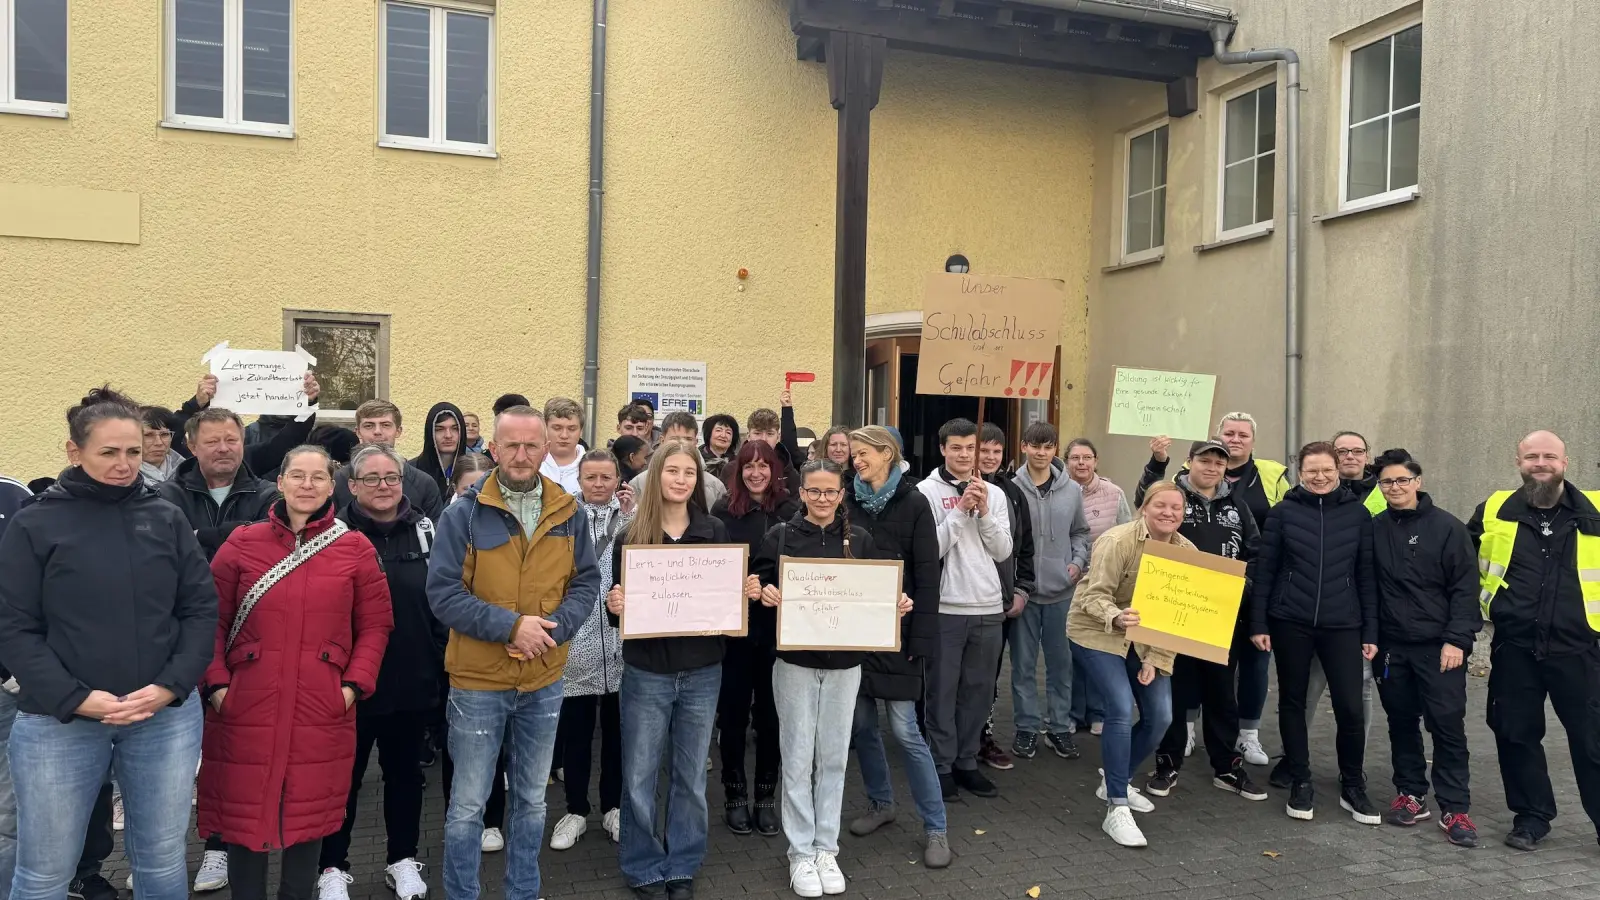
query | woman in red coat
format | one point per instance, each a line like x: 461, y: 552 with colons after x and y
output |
x: 291, y: 662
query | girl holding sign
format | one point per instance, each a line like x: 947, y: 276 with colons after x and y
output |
x: 815, y: 689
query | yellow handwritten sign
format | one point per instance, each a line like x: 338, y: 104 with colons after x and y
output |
x: 1150, y: 403
x: 1188, y: 601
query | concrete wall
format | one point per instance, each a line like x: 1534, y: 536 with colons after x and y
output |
x: 1451, y: 325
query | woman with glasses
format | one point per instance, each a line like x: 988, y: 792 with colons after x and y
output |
x: 160, y: 460
x: 303, y: 622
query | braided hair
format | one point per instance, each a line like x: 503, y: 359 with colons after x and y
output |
x: 843, y: 512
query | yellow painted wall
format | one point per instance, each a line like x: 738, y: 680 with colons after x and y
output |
x: 720, y: 155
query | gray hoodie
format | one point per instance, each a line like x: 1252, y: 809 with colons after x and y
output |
x: 1060, y: 534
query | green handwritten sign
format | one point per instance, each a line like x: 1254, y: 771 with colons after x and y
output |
x: 1148, y: 402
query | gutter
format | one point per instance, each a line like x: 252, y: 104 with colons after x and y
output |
x: 597, y: 186
x: 1165, y: 13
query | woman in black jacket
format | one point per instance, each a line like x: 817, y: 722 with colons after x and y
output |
x: 757, y: 500
x: 107, y: 616
x: 896, y: 515
x: 1314, y: 593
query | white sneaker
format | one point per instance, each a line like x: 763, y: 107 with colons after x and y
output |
x: 493, y: 841
x: 1249, y: 745
x: 130, y: 881
x: 612, y: 821
x: 213, y: 874
x: 828, y: 870
x: 804, y: 879
x: 1120, y: 826
x: 405, y: 879
x: 334, y: 884
x: 568, y: 830
x: 1137, y: 801
x: 1188, y: 745
x: 116, y: 811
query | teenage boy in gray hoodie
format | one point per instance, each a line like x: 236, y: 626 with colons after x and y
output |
x: 1061, y: 555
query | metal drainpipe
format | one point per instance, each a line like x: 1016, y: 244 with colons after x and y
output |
x: 1291, y: 278
x: 597, y: 184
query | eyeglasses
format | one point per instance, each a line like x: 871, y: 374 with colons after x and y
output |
x: 159, y: 435
x: 821, y: 493
x: 1349, y: 451
x: 1396, y: 482
x: 373, y: 481
x: 307, y: 477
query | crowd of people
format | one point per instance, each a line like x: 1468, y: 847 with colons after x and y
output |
x: 200, y: 612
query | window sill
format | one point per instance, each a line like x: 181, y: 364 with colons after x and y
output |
x: 1237, y: 239
x: 1107, y: 270
x: 42, y: 112
x: 285, y: 133
x: 1369, y: 207
x: 483, y: 152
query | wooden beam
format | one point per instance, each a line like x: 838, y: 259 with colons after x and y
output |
x: 811, y: 48
x: 855, y: 78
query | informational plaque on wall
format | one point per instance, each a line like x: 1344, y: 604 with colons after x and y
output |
x: 839, y: 604
x: 687, y: 590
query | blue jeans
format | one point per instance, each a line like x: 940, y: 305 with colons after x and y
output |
x: 1123, y: 745
x: 1088, y: 707
x: 58, y: 771
x: 665, y: 717
x: 8, y: 796
x: 1254, y: 668
x: 1041, y: 625
x: 920, y: 772
x: 480, y: 722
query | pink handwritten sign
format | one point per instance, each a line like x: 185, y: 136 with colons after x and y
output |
x: 689, y: 590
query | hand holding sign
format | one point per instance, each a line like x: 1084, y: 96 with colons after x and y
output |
x: 838, y: 604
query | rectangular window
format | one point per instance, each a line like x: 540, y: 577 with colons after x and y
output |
x: 1383, y: 115
x: 33, y: 57
x: 437, y: 79
x: 1144, y: 221
x: 352, y: 351
x: 229, y: 66
x: 1249, y: 160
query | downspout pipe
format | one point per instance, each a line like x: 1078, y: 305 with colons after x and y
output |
x: 1292, y: 296
x: 597, y: 189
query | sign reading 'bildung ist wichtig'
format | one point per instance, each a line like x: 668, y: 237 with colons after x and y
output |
x: 261, y: 382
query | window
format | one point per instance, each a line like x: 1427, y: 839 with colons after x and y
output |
x: 1383, y: 114
x: 229, y: 65
x: 33, y: 57
x: 1144, y: 221
x: 1249, y: 159
x: 352, y: 351
x: 437, y: 79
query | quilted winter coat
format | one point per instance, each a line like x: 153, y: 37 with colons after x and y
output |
x: 277, y: 758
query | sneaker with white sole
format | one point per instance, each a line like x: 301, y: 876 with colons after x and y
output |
x: 828, y: 870
x: 1137, y: 801
x: 1119, y: 825
x: 1249, y: 746
x: 405, y: 879
x: 116, y: 811
x: 612, y: 822
x: 493, y: 841
x: 804, y: 878
x: 568, y: 830
x: 334, y: 884
x: 213, y: 874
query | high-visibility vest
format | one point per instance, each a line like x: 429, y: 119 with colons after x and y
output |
x: 1274, y: 483
x: 1494, y: 556
x: 1375, y: 502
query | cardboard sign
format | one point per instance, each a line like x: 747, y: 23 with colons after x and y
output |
x: 261, y: 382
x: 989, y: 335
x: 1188, y: 601
x: 839, y: 604
x: 689, y: 590
x: 1149, y: 403
x: 669, y: 385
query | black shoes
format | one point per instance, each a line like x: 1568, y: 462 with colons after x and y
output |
x: 736, y: 809
x: 1063, y: 744
x: 1280, y: 777
x: 1523, y: 840
x: 654, y: 891
x: 1164, y: 779
x: 681, y: 889
x: 973, y: 782
x: 767, y: 821
x: 1025, y: 745
x: 1238, y: 782
x: 1354, y: 800
x: 947, y: 785
x: 1302, y: 797
x: 93, y: 887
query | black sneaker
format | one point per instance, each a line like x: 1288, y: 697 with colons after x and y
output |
x: 1163, y: 780
x: 973, y: 782
x: 947, y: 784
x: 93, y: 887
x: 680, y: 889
x: 1523, y: 840
x: 1025, y: 745
x: 1062, y: 743
x: 1302, y: 796
x: 1354, y: 801
x: 1238, y: 782
x: 1280, y: 777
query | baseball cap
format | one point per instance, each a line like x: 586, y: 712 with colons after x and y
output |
x: 1206, y: 446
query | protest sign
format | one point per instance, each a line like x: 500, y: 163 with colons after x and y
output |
x: 839, y: 604
x: 690, y: 590
x: 989, y: 335
x: 261, y: 382
x: 1149, y: 403
x: 669, y: 385
x: 1188, y: 601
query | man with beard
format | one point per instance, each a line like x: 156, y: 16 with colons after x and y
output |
x: 1539, y: 579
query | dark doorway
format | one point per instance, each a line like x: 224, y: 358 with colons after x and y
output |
x: 922, y: 414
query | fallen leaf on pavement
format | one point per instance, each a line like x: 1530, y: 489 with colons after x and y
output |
x: 1272, y: 853
x: 977, y: 831
x: 1033, y: 891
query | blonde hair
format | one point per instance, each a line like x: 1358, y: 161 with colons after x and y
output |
x: 1238, y: 417
x: 646, y: 527
x: 879, y: 438
x: 1158, y: 488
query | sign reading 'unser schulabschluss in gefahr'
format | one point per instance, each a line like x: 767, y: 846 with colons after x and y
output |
x: 989, y: 335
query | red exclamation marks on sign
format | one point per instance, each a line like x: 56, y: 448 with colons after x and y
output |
x: 1016, y: 366
x: 1044, y: 375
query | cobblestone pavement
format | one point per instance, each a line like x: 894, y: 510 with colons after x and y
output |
x: 1044, y: 830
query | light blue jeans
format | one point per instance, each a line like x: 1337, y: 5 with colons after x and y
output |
x: 1041, y: 626
x: 8, y: 796
x: 920, y: 772
x: 480, y: 722
x: 1123, y: 745
x: 815, y: 711
x: 58, y: 771
x: 665, y: 717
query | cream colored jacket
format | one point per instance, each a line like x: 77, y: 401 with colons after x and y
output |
x: 1112, y: 569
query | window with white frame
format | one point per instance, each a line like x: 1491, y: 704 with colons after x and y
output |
x: 437, y: 78
x: 33, y: 56
x: 229, y: 66
x: 352, y: 351
x: 1249, y: 160
x: 1383, y: 115
x: 1144, y: 220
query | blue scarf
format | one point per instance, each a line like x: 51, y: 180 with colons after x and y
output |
x: 873, y: 501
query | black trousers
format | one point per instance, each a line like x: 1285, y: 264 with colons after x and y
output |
x: 398, y: 737
x: 247, y: 872
x: 1198, y: 682
x: 494, y: 812
x: 746, y: 688
x: 575, y: 737
x: 1339, y: 650
x: 999, y: 663
x: 98, y: 841
x: 1412, y: 688
x: 1518, y: 685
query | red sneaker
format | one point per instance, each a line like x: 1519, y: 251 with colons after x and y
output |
x: 1459, y: 828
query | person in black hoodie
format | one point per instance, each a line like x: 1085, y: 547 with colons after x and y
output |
x: 1427, y: 620
x: 444, y: 432
x: 397, y: 715
x: 108, y: 613
x: 756, y: 501
x: 669, y: 693
x: 1313, y: 593
x: 1016, y: 572
x: 216, y: 488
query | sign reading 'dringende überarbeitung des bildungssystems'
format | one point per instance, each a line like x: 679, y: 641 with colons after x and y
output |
x: 989, y: 335
x: 261, y: 382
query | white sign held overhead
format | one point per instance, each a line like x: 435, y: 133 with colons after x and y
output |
x: 670, y: 385
x: 261, y: 382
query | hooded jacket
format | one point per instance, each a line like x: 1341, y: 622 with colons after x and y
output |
x: 801, y: 537
x: 432, y: 463
x: 594, y: 658
x: 1314, y: 565
x: 104, y: 588
x: 1221, y: 524
x: 1427, y: 577
x: 413, y: 665
x: 249, y: 500
x: 671, y: 655
x: 1259, y: 484
x: 904, y: 530
x: 1060, y: 533
x: 1017, y: 570
x: 970, y: 545
x: 153, y: 474
x: 1541, y: 607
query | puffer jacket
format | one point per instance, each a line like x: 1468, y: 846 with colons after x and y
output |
x: 1104, y: 506
x: 594, y: 658
x: 1314, y: 565
x: 905, y: 531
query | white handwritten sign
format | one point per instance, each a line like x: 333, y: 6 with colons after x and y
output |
x: 261, y: 382
x: 684, y: 591
x: 839, y: 604
x: 1150, y: 403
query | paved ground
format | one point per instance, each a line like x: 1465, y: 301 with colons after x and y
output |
x: 1044, y: 830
